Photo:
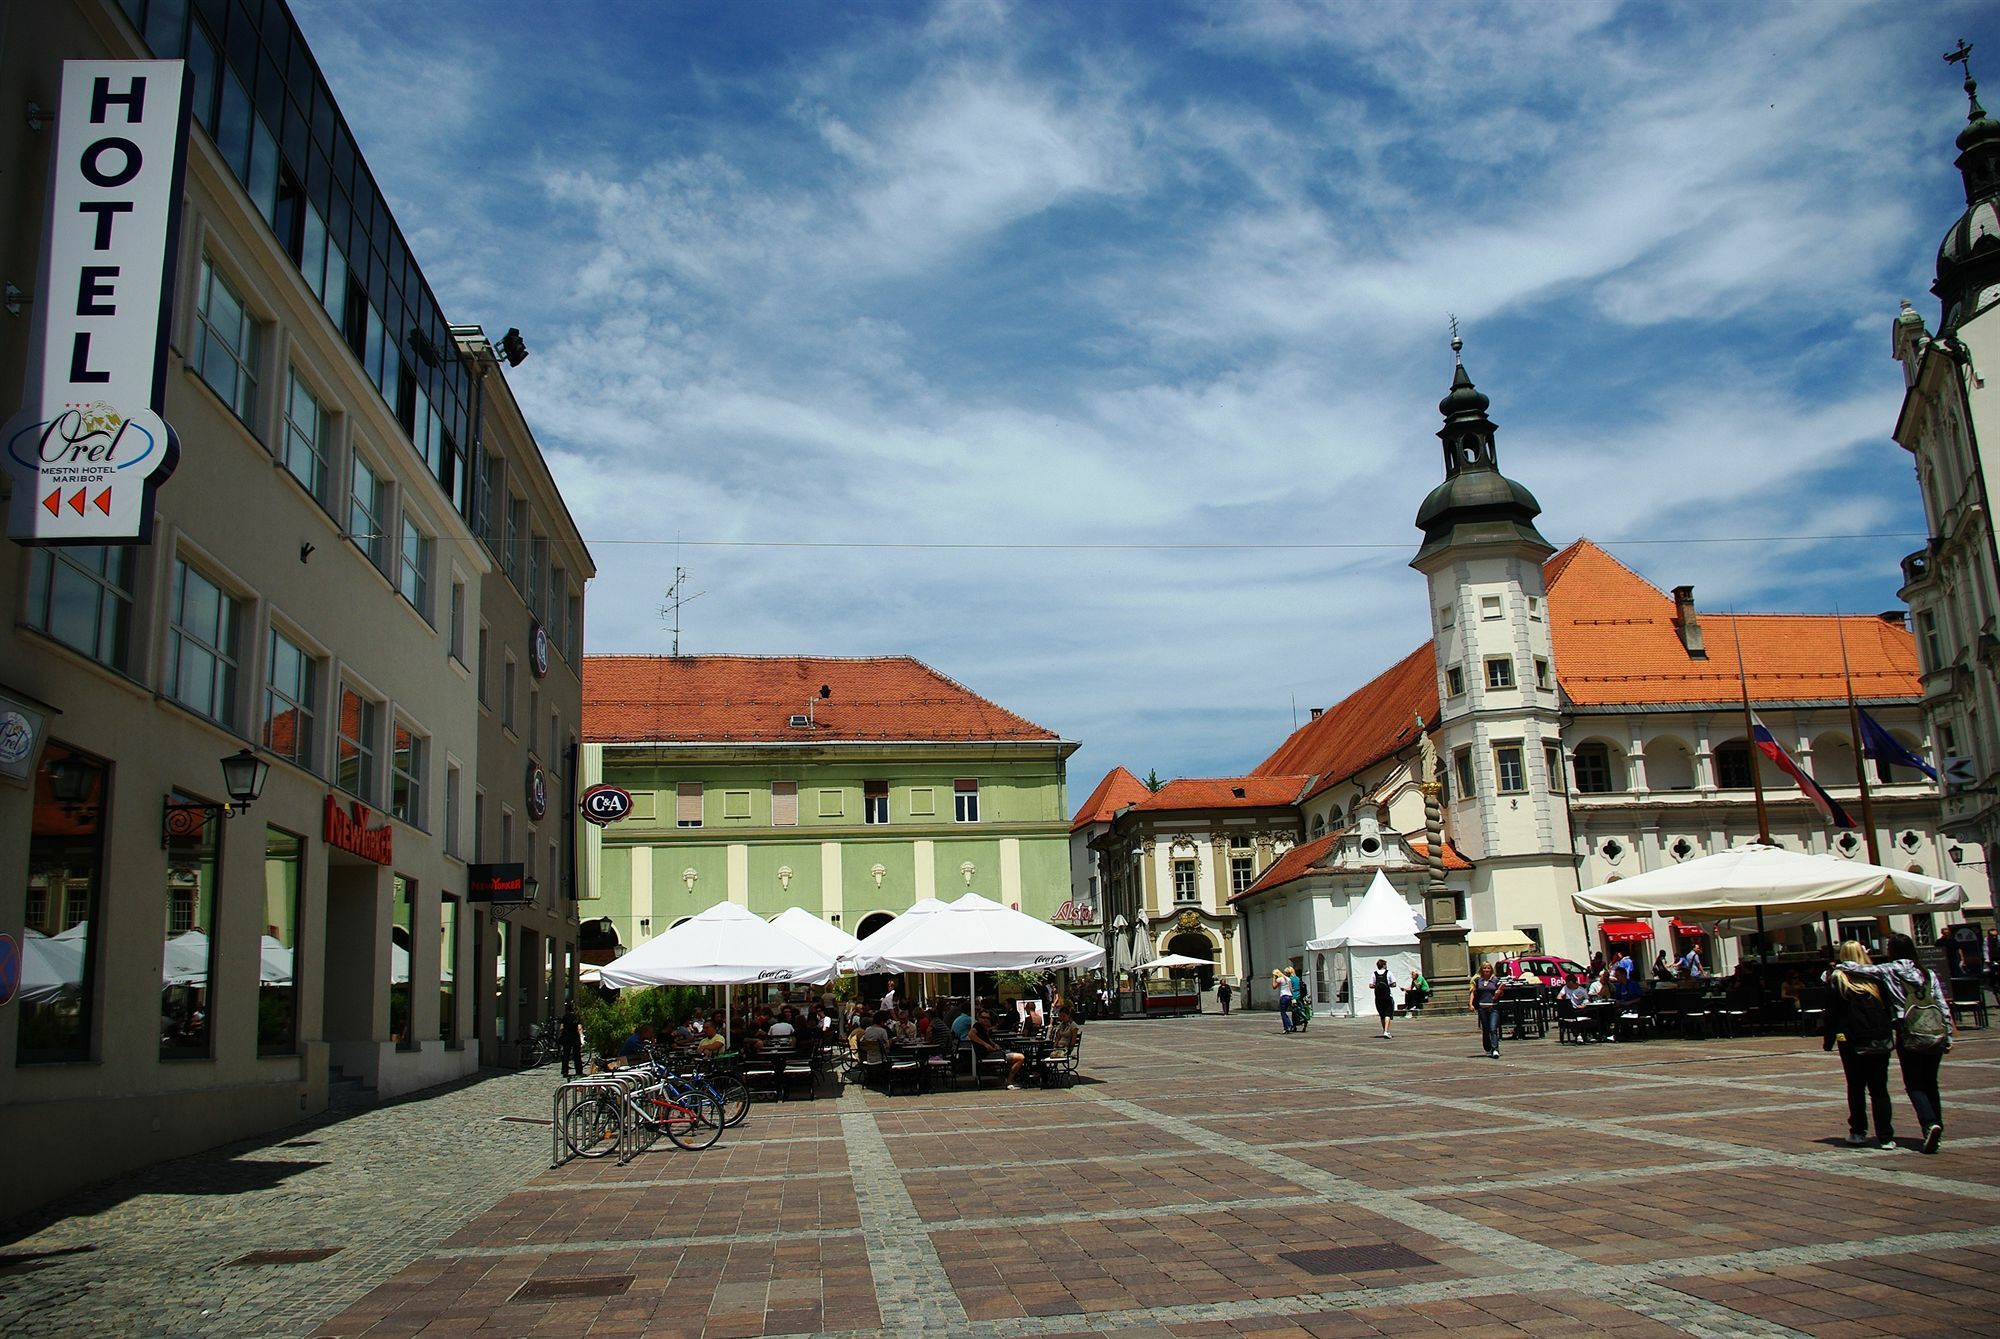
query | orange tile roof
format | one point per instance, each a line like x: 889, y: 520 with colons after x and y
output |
x: 750, y: 699
x: 1615, y: 645
x: 1118, y: 789
x: 1373, y: 722
x: 1305, y: 859
x: 1225, y: 792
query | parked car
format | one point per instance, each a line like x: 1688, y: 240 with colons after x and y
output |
x: 1540, y: 968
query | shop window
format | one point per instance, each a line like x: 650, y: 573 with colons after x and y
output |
x: 448, y: 970
x: 277, y: 977
x: 65, y: 885
x: 194, y: 868
x: 402, y: 922
x: 201, y: 645
x: 82, y: 597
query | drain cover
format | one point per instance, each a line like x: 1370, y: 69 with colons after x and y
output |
x: 302, y: 1255
x: 601, y: 1285
x: 1357, y: 1259
x: 528, y: 1120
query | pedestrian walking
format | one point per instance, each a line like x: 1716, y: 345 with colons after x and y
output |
x: 1302, y: 1009
x: 1923, y: 1029
x: 1486, y: 992
x: 1223, y: 993
x: 1385, y: 994
x: 569, y: 1033
x: 1858, y: 1021
x: 1282, y: 986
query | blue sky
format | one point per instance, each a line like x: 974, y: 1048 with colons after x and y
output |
x: 1161, y: 290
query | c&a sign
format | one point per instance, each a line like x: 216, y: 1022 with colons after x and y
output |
x: 88, y: 447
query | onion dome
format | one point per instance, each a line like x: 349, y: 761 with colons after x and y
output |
x: 1968, y: 264
x: 1476, y: 504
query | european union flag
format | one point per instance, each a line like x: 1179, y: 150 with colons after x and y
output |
x: 1882, y: 746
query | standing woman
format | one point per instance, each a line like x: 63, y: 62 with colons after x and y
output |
x: 1858, y: 1020
x: 1924, y: 1034
x: 1486, y: 992
x: 1282, y: 984
x: 1385, y: 993
x: 1302, y: 1007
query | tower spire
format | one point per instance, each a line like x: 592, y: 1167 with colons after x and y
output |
x: 1969, y: 257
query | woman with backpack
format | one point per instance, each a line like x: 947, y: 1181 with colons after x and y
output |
x: 1859, y: 1021
x: 1923, y: 1029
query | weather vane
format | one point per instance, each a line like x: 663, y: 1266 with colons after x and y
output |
x: 1456, y: 342
x: 1961, y: 56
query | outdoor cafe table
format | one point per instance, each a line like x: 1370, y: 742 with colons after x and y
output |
x: 1524, y: 1017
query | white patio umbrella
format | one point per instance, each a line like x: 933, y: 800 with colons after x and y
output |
x: 1174, y: 960
x: 727, y: 945
x: 807, y: 928
x: 51, y: 968
x: 184, y: 962
x: 975, y: 934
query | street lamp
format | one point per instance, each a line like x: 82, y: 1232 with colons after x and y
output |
x: 243, y: 774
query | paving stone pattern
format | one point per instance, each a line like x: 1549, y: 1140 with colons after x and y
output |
x: 1207, y: 1179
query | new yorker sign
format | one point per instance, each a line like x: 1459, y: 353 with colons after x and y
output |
x: 347, y: 830
x: 88, y: 447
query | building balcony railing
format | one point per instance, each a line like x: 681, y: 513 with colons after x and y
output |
x: 1916, y: 568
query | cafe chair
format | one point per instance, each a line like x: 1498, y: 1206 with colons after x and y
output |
x: 1059, y: 1067
x: 941, y: 1066
x: 904, y: 1067
x: 1968, y: 997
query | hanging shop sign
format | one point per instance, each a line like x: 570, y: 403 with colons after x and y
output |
x: 88, y: 447
x: 347, y: 830
x: 496, y: 883
x: 538, y: 791
x: 1074, y: 913
x: 538, y: 651
x: 21, y: 737
x: 604, y: 803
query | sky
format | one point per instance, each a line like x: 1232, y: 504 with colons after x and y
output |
x: 1091, y: 352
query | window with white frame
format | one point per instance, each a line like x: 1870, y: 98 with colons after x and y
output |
x: 1535, y: 608
x: 82, y: 597
x: 407, y: 760
x: 965, y: 800
x: 1489, y: 606
x: 1242, y: 872
x: 225, y: 341
x: 306, y: 433
x: 874, y: 802
x: 202, y: 645
x: 687, y: 804
x: 290, y: 680
x: 1510, y: 777
x: 1500, y: 672
x: 413, y: 574
x: 367, y: 509
x: 1186, y: 887
x: 358, y: 732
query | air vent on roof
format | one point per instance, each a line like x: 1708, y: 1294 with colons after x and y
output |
x: 801, y: 720
x: 1237, y: 791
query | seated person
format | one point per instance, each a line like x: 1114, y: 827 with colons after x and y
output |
x: 1623, y: 988
x: 1031, y: 1020
x: 1600, y: 988
x: 1065, y: 1033
x: 712, y: 1041
x: 926, y: 1021
x: 633, y: 1049
x: 1794, y: 988
x: 1416, y: 992
x: 781, y: 1033
x: 984, y: 1047
x: 1575, y: 993
x: 961, y: 1023
x: 1663, y: 970
x: 872, y: 1043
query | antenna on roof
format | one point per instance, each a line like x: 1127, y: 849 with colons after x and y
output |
x: 670, y: 608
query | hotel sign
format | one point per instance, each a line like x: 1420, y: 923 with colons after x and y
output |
x: 347, y: 830
x: 88, y: 447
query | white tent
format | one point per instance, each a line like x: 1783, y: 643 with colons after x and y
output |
x: 885, y: 935
x: 1786, y: 887
x: 809, y: 929
x: 1381, y: 925
x: 975, y: 934
x: 727, y: 945
x: 50, y: 968
x: 1173, y: 960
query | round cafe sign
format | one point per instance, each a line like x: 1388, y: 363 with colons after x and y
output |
x: 538, y: 792
x: 538, y: 651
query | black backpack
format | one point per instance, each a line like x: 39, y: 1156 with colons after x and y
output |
x: 1866, y: 1020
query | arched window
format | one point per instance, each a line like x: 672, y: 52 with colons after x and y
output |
x: 1669, y: 765
x: 1600, y: 769
x: 1833, y: 761
x: 1732, y: 765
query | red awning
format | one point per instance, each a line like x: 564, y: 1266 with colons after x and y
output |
x: 1681, y: 927
x: 1627, y: 930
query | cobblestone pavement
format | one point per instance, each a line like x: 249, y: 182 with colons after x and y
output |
x: 1213, y: 1177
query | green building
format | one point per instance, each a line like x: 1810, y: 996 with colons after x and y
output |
x: 849, y: 787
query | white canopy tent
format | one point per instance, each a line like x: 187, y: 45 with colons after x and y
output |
x: 1173, y: 960
x: 974, y: 934
x: 1739, y: 890
x: 1498, y: 941
x: 1381, y: 925
x: 51, y: 968
x: 888, y: 934
x: 726, y: 945
x: 809, y: 929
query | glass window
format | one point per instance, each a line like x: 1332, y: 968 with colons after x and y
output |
x: 367, y: 501
x: 194, y: 864
x: 517, y: 539
x: 406, y: 777
x: 1509, y: 775
x: 965, y: 801
x: 509, y: 676
x: 452, y: 784
x: 1732, y: 765
x: 687, y: 804
x: 1242, y: 872
x: 531, y: 581
x: 1500, y: 672
x: 874, y: 802
x: 277, y: 975
x: 82, y: 597
x: 1489, y: 606
x: 402, y: 921
x: 1185, y: 886
x: 1593, y: 769
x: 59, y: 940
x: 1542, y: 680
x: 502, y: 937
x: 574, y: 624
x: 289, y: 681
x: 1461, y: 766
x: 413, y: 577
x: 1552, y: 762
x: 448, y: 969
x: 305, y: 437
x: 455, y: 626
x: 354, y: 770
x: 479, y: 668
x: 225, y: 341
x: 201, y: 645
x: 1454, y: 681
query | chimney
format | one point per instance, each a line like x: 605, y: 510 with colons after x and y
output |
x: 1317, y: 712
x: 1688, y: 623
x: 1895, y: 618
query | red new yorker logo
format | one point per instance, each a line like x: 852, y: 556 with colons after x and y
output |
x: 348, y: 830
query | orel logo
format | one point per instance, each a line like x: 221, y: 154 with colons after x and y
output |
x: 604, y: 803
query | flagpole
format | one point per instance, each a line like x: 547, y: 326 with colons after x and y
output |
x: 1750, y: 738
x: 1860, y: 754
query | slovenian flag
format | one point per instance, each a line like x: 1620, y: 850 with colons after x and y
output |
x: 1879, y: 744
x: 1768, y: 745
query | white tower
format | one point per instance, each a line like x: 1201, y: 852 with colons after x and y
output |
x: 1499, y: 726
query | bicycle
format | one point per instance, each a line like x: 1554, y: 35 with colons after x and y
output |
x: 691, y: 1118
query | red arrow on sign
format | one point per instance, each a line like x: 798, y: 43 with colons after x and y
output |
x: 53, y: 503
x: 103, y: 502
x: 76, y: 502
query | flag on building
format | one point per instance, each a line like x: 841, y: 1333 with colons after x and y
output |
x: 1882, y: 746
x: 1767, y: 744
